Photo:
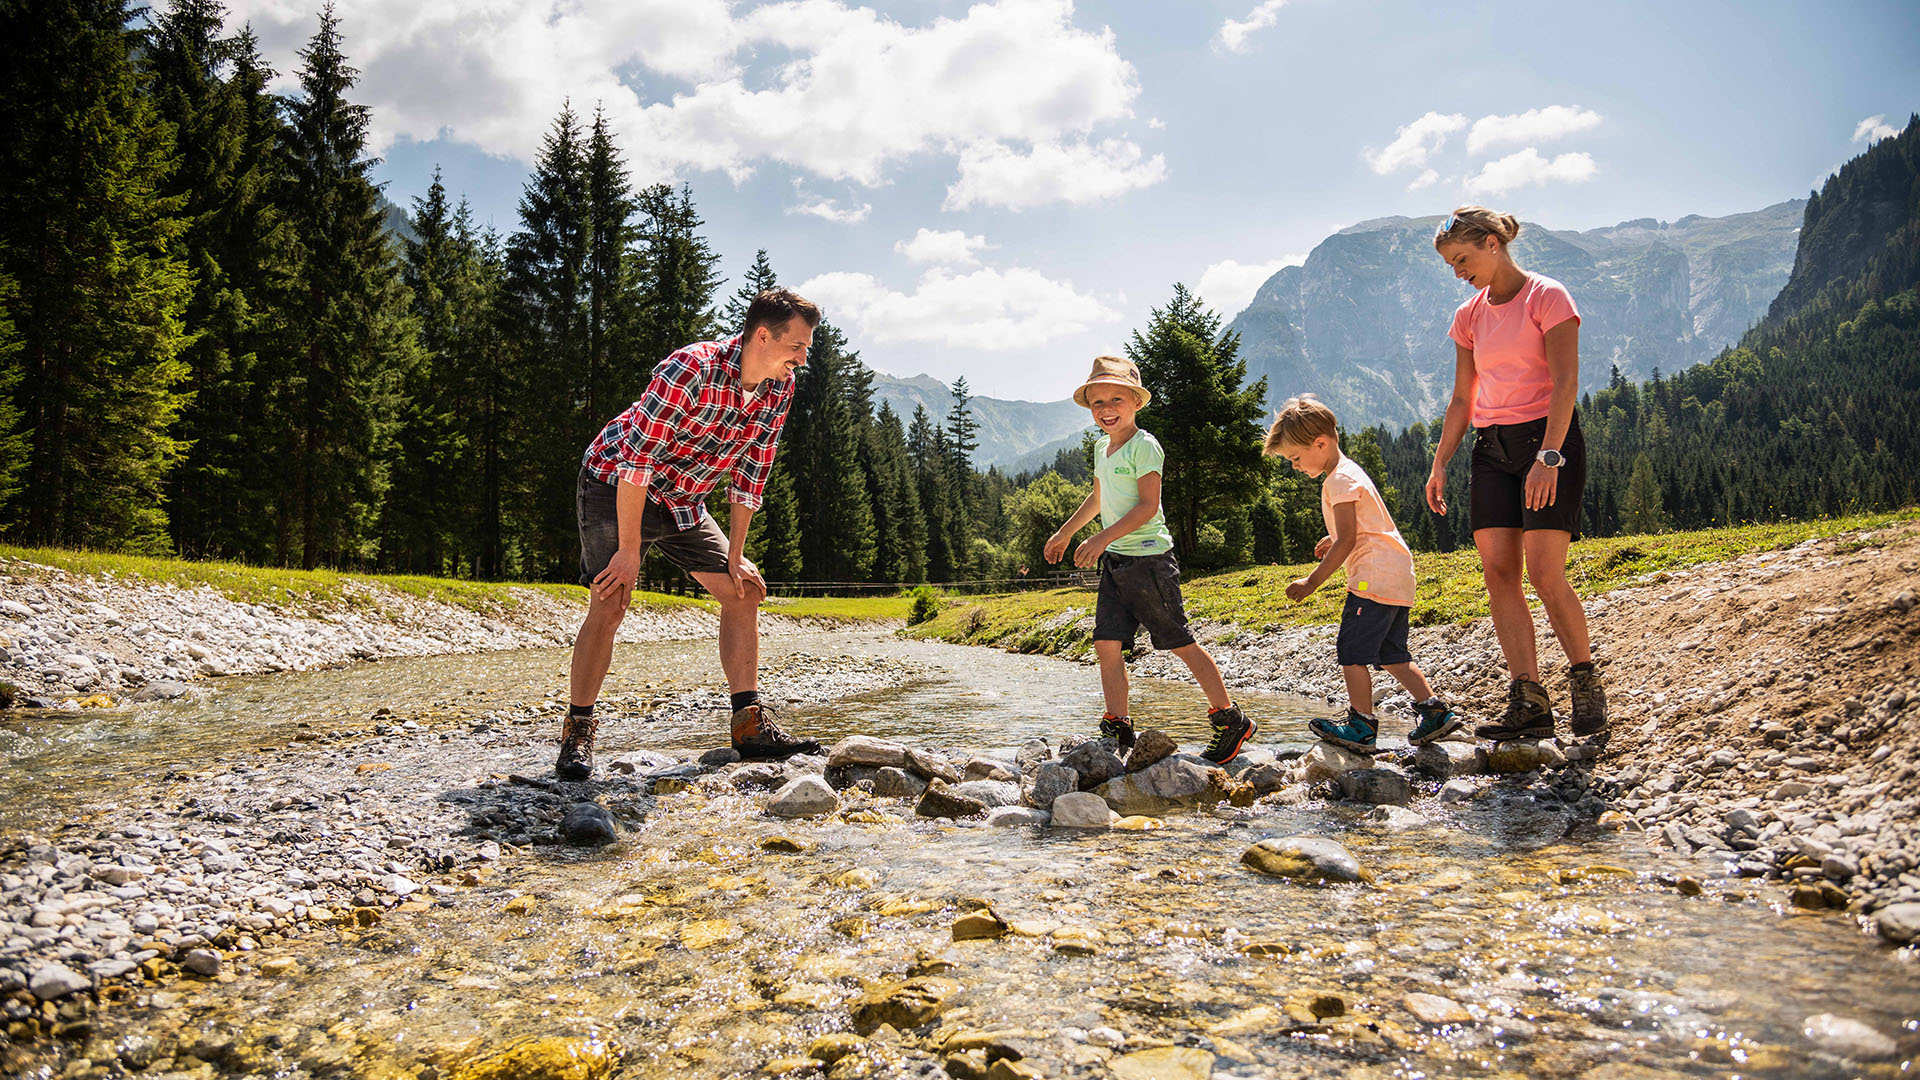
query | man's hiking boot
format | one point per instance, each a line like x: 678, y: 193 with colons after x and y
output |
x: 576, y: 748
x: 1356, y: 732
x: 1529, y: 714
x: 1437, y: 721
x: 1231, y: 730
x: 758, y: 738
x: 1589, y: 700
x: 1120, y: 730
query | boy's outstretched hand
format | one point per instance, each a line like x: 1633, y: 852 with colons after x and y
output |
x: 1301, y: 588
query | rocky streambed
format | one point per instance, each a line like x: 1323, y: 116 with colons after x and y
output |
x: 962, y: 886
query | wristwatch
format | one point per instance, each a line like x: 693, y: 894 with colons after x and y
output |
x: 1552, y: 459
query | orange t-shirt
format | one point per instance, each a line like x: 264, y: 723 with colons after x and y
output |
x: 1380, y: 567
x: 1509, y: 343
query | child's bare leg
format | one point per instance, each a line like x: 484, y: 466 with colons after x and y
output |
x: 1113, y: 676
x: 1409, y: 676
x: 1359, y: 688
x: 1206, y: 673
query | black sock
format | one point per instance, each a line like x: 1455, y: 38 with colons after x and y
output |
x: 745, y: 698
x: 579, y: 710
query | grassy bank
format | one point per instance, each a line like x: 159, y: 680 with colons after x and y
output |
x: 1451, y: 590
x: 315, y: 591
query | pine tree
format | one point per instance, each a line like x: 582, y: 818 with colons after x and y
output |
x: 961, y: 441
x: 1269, y: 536
x: 91, y: 241
x: 612, y: 304
x: 821, y: 444
x: 760, y: 277
x: 351, y: 333
x: 900, y: 530
x: 773, y: 539
x: 13, y: 441
x: 1644, y: 512
x: 487, y: 377
x: 679, y: 275
x: 1205, y: 420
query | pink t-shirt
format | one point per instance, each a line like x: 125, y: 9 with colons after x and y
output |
x: 1509, y: 343
x: 1380, y: 567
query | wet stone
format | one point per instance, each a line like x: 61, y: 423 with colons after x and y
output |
x: 1164, y: 1063
x: 57, y: 981
x: 202, y: 962
x: 1308, y: 859
x: 942, y: 801
x: 805, y: 796
x: 842, y: 777
x: 1899, y: 923
x: 989, y: 792
x: 1377, y: 785
x: 931, y: 766
x: 1524, y: 755
x: 1848, y: 1038
x: 975, y: 925
x: 1449, y: 758
x: 1436, y: 1010
x: 1015, y: 816
x: 894, y: 783
x: 1266, y: 778
x: 588, y: 824
x: 1150, y: 748
x: 1170, y: 783
x: 1082, y: 810
x: 1051, y: 781
x: 867, y: 750
x: 1325, y: 761
x: 543, y: 1058
x: 1095, y: 762
x: 905, y: 1005
x: 163, y: 690
x: 986, y: 768
x: 1397, y: 818
x: 1033, y: 753
x: 721, y: 755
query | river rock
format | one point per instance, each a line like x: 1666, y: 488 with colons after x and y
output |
x: 164, y: 690
x: 1052, y: 781
x: 1082, y: 810
x: 1848, y: 1038
x: 1396, y: 818
x: 1436, y: 1010
x: 931, y: 766
x: 547, y: 1057
x: 1449, y: 758
x: 986, y: 768
x: 867, y: 750
x: 1095, y: 762
x: 903, y: 1006
x: 977, y: 925
x: 718, y: 756
x: 1899, y: 923
x: 1325, y: 761
x: 1377, y: 785
x: 1163, y: 1063
x: 57, y: 981
x: 805, y: 796
x: 1013, y: 816
x: 1266, y: 778
x: 842, y: 777
x: 1033, y: 753
x: 1309, y: 859
x: 1173, y: 782
x: 892, y: 783
x: 1152, y: 747
x: 1458, y: 791
x: 943, y: 801
x: 588, y: 824
x: 202, y: 962
x: 990, y: 792
x: 1524, y: 755
x: 760, y: 776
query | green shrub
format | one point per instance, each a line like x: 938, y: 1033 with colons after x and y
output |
x: 926, y: 604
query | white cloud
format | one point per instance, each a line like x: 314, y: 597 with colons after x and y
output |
x: 1414, y: 143
x: 1526, y: 167
x: 828, y: 210
x: 1873, y: 129
x: 1229, y: 286
x: 995, y: 175
x: 1234, y: 33
x: 853, y: 93
x: 987, y: 309
x: 1427, y: 178
x: 951, y: 247
x: 1532, y: 126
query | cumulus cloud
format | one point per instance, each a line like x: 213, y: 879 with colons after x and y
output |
x: 1532, y: 126
x: 1228, y: 286
x: 1235, y: 32
x: 1414, y: 143
x: 828, y: 210
x: 952, y: 247
x: 992, y: 174
x: 841, y: 92
x: 1873, y: 129
x: 986, y: 309
x: 1427, y: 178
x: 1528, y: 167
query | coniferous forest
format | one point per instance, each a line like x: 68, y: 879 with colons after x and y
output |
x: 213, y: 343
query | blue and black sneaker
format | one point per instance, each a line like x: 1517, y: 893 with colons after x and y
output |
x: 1436, y: 722
x: 1356, y: 732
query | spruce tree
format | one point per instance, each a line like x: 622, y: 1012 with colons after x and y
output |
x: 961, y: 441
x: 760, y: 277
x: 900, y: 530
x: 351, y: 335
x: 773, y: 539
x: 13, y: 441
x: 679, y: 274
x: 489, y: 396
x: 91, y: 240
x: 927, y: 448
x: 1644, y: 512
x: 821, y: 443
x: 610, y: 382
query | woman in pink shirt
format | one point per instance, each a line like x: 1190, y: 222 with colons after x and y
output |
x: 1516, y: 378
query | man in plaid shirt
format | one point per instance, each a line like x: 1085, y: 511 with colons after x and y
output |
x: 712, y: 411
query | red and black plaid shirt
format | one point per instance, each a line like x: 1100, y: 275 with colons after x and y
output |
x: 694, y: 425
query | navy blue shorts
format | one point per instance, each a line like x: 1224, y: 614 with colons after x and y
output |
x: 1137, y: 591
x: 1372, y: 633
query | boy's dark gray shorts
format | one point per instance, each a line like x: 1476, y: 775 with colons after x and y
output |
x: 699, y: 550
x: 1137, y: 591
x: 1372, y: 634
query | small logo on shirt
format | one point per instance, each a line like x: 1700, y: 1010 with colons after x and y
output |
x: 1122, y: 470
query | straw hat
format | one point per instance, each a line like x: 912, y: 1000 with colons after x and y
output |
x: 1114, y: 371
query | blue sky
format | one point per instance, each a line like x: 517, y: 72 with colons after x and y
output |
x: 1004, y: 189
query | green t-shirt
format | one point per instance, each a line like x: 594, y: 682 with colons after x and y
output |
x: 1119, y: 475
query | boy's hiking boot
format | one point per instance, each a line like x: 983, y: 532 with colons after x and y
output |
x: 1231, y: 730
x: 1437, y: 721
x: 1119, y: 729
x: 1589, y: 700
x: 1356, y: 732
x: 576, y: 748
x: 758, y: 738
x: 1529, y: 714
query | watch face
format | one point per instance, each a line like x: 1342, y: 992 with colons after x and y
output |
x: 1551, y: 458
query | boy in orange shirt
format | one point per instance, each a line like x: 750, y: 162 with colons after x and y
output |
x: 1361, y: 537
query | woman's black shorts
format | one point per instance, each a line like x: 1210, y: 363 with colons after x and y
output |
x: 1496, y: 485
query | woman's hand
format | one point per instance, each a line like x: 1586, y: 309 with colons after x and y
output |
x: 1543, y: 484
x: 1437, y: 489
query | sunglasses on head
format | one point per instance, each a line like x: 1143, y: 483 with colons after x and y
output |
x: 1447, y: 225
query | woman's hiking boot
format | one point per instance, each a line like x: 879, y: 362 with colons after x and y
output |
x: 1589, y: 700
x: 1119, y: 729
x: 1437, y: 721
x: 1529, y: 714
x: 1231, y: 730
x: 1356, y: 732
x: 576, y: 748
x: 759, y: 738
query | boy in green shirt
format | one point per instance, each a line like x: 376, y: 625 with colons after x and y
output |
x: 1139, y: 577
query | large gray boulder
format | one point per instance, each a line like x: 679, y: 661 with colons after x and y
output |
x: 1010, y: 816
x: 1095, y: 761
x: 1379, y: 786
x: 893, y: 783
x: 1175, y: 782
x: 931, y: 766
x: 806, y: 796
x: 1151, y: 748
x: 1082, y: 810
x: 1447, y: 759
x: 990, y: 792
x: 1052, y: 781
x: 942, y: 801
x: 1326, y: 761
x: 1306, y: 859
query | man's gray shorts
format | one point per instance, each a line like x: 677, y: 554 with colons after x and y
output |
x: 699, y: 550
